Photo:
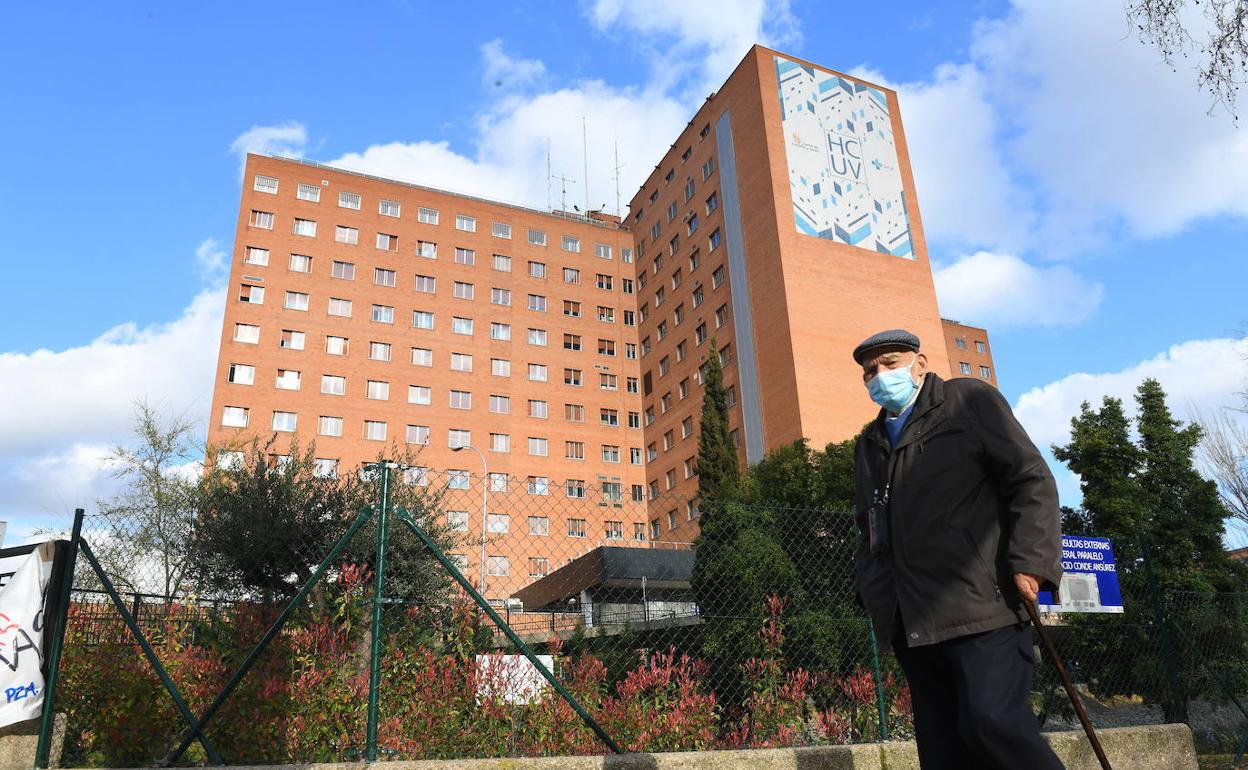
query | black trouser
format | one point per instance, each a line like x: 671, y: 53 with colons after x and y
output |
x: 971, y: 708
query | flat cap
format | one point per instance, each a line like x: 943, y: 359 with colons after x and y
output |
x: 892, y: 337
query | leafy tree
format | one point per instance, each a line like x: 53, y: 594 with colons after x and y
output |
x: 718, y: 465
x: 151, y: 521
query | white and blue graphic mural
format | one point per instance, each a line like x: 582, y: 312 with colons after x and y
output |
x: 843, y: 170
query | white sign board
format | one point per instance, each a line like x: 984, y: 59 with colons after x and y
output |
x: 21, y: 637
x: 511, y: 677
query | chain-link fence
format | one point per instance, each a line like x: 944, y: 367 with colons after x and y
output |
x: 749, y: 638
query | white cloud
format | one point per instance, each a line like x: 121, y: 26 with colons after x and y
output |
x: 696, y: 40
x: 290, y: 138
x: 1204, y: 375
x: 64, y: 408
x: 1001, y: 290
x: 212, y: 262
x: 502, y: 71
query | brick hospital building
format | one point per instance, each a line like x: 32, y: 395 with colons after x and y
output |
x: 565, y: 350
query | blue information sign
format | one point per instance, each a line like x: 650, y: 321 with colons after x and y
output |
x: 1089, y: 578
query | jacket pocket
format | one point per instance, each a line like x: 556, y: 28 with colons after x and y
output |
x: 991, y: 574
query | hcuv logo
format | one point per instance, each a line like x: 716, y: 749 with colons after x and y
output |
x: 14, y: 639
x: 846, y: 156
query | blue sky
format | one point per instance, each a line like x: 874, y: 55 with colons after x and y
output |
x: 1079, y: 198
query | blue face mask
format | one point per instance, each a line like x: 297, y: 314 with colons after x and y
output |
x: 893, y: 388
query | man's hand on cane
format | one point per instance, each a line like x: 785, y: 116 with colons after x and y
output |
x: 1027, y: 585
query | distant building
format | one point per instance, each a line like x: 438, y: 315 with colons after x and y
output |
x: 782, y: 224
x: 969, y: 353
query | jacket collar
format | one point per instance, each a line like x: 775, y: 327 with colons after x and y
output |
x: 931, y: 395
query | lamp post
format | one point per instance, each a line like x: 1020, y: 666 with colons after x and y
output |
x: 485, y: 491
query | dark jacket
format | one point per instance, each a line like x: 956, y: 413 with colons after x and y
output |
x: 962, y: 503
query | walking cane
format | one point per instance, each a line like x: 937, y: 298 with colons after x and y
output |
x: 1070, y: 687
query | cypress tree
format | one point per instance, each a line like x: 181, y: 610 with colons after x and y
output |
x: 719, y: 471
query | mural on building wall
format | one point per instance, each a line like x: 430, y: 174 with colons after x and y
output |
x: 843, y: 170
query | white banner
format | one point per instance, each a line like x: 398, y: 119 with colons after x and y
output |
x: 21, y: 639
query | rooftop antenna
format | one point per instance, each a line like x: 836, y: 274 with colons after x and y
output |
x: 563, y: 192
x: 618, y: 166
x: 548, y: 173
x: 585, y: 153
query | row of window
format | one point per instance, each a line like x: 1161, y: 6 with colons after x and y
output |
x: 984, y: 371
x: 980, y: 345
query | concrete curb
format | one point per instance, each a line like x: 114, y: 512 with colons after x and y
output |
x: 1152, y: 747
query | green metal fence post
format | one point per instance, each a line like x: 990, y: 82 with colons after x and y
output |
x: 379, y: 597
x: 511, y: 635
x: 254, y: 655
x: 60, y: 622
x: 1159, y: 618
x: 880, y: 701
x: 152, y: 660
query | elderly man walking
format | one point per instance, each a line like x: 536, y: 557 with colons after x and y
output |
x: 958, y: 520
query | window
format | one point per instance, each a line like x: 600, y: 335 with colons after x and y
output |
x: 309, y: 192
x: 500, y: 296
x: 290, y: 339
x: 457, y: 521
x: 699, y: 296
x: 717, y: 277
x: 699, y: 334
x: 537, y: 337
x: 572, y: 377
x: 461, y: 399
x: 652, y: 452
x: 630, y: 318
x: 686, y: 427
x: 333, y: 385
x: 261, y: 219
x: 374, y: 430
x: 500, y: 230
x: 610, y: 453
x: 285, y: 422
x: 456, y: 437
x: 537, y: 303
x: 329, y: 426
x: 538, y: 409
x: 538, y: 447
x: 426, y: 284
x: 712, y: 203
x: 639, y: 529
x: 378, y: 390
x: 626, y: 285
x: 343, y: 270
x: 419, y: 394
x: 695, y: 259
x: 497, y: 566
x: 461, y: 362
x: 960, y: 342
x: 539, y: 525
x: 606, y: 347
x: 964, y: 367
x: 571, y: 309
x: 502, y: 263
x: 326, y: 468
x: 382, y: 314
x: 626, y: 255
x: 349, y: 200
x: 632, y: 381
x: 235, y: 416
x: 300, y: 263
x: 985, y: 372
x: 463, y: 290
x: 387, y: 242
x: 388, y: 208
x: 608, y: 382
x: 422, y: 357
x: 340, y: 307
x: 604, y: 281
x: 253, y: 294
x: 500, y: 367
x: 539, y: 485
x: 537, y: 269
x: 574, y: 488
x: 460, y: 325
x: 689, y: 184
x: 574, y: 450
x: 606, y: 314
x: 571, y: 275
x: 383, y: 277
x: 572, y: 244
x: 721, y: 315
x: 682, y: 390
x: 500, y: 442
x: 571, y: 342
x: 602, y: 250
x: 655, y: 229
x: 609, y: 417
x: 500, y: 404
x: 680, y: 351
x: 466, y: 223
x: 725, y: 355
x: 417, y: 434
x: 715, y: 239
x: 655, y: 529
x: 574, y: 412
x: 497, y: 523
x: 614, y: 530
x: 537, y: 238
x: 427, y: 216
x: 422, y: 319
x: 980, y: 347
x: 348, y: 235
x: 660, y: 294
x: 661, y: 329
x: 498, y: 482
x: 576, y: 528
x: 500, y: 331
x: 248, y: 333
x: 537, y: 372
x: 305, y: 227
x: 416, y: 477
x: 427, y: 249
x: 465, y: 256
x: 241, y: 374
x: 708, y: 168
x: 287, y: 379
x: 256, y: 256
